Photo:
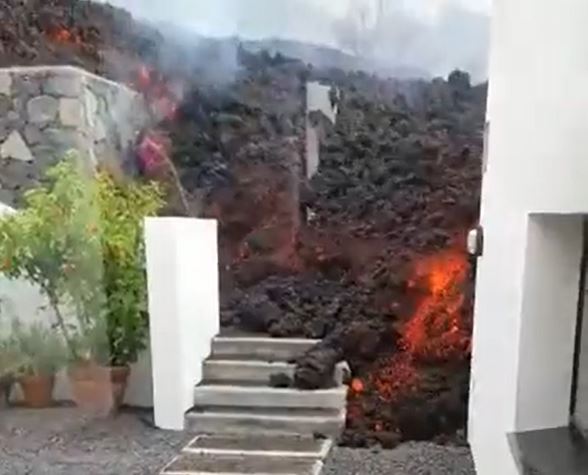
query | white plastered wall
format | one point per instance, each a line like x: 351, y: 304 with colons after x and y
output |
x: 534, y: 190
x: 182, y: 268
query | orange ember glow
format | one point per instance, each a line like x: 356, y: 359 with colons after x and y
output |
x: 357, y: 386
x: 162, y: 100
x: 437, y: 329
x: 143, y: 77
x: 397, y: 377
x: 152, y: 152
x: 64, y: 36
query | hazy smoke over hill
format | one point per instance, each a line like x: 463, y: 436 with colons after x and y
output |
x: 433, y: 37
x: 396, y: 36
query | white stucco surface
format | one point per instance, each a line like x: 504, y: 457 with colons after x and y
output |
x: 182, y: 266
x: 581, y: 405
x: 533, y: 189
x: 548, y: 321
x: 318, y: 99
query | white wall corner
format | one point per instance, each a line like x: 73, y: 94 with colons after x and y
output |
x: 183, y: 286
x: 548, y: 321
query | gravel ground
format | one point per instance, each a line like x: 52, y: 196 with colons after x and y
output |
x: 408, y: 459
x: 64, y: 442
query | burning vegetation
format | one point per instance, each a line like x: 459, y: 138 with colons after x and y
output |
x: 365, y: 255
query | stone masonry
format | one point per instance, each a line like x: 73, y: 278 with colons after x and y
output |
x: 46, y: 112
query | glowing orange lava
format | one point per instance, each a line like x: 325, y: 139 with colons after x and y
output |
x: 357, y: 386
x: 152, y: 152
x: 437, y: 329
x: 397, y: 377
x: 64, y: 36
x: 162, y: 100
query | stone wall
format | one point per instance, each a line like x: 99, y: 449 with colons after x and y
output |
x: 47, y: 111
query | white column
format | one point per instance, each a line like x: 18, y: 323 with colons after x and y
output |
x: 183, y: 284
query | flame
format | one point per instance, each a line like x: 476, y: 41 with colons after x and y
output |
x: 437, y: 329
x: 143, y: 77
x: 152, y: 152
x: 64, y: 36
x: 357, y: 386
x: 162, y: 100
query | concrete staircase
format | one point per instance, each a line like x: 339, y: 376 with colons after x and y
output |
x: 244, y: 426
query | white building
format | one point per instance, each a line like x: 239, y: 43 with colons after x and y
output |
x: 529, y: 300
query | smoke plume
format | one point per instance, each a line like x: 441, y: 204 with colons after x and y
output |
x: 387, y: 36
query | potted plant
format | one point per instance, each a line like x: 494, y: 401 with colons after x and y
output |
x: 80, y: 239
x: 10, y: 362
x: 42, y: 353
x: 118, y: 337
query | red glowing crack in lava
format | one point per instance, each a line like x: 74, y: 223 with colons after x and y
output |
x: 437, y: 329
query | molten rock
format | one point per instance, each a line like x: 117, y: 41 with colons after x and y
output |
x: 314, y: 370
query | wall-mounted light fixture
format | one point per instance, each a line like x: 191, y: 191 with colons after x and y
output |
x: 475, y: 241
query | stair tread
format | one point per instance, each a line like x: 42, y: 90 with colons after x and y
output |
x: 250, y: 420
x: 268, y: 411
x: 264, y: 338
x: 253, y: 360
x: 303, y: 445
x: 265, y: 348
x: 252, y: 386
x: 246, y: 361
x: 240, y: 464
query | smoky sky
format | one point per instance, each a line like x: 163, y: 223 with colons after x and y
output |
x: 435, y: 36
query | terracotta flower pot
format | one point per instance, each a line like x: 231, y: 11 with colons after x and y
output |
x: 97, y: 388
x: 37, y: 390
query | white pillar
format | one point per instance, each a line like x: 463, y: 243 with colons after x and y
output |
x: 183, y: 284
x: 318, y: 99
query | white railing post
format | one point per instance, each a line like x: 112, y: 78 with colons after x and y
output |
x: 183, y: 286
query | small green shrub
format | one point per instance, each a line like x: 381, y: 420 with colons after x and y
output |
x: 41, y: 350
x: 123, y: 208
x: 11, y: 360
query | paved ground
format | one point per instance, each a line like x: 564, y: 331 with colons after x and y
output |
x: 408, y: 459
x: 64, y: 442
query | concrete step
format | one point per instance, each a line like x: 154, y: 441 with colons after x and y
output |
x: 208, y: 464
x: 260, y: 348
x: 247, y: 420
x: 263, y: 396
x: 258, y: 371
x: 269, y: 445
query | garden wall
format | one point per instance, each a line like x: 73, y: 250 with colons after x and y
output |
x: 47, y: 111
x: 44, y: 113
